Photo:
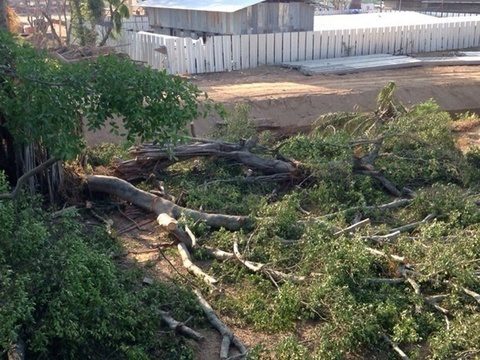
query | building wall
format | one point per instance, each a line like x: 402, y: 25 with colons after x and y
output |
x: 259, y: 18
x: 466, y: 6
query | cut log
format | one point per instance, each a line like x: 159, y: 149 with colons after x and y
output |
x: 170, y: 225
x: 126, y: 191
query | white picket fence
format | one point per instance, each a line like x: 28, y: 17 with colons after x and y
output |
x: 236, y: 52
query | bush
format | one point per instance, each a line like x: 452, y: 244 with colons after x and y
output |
x: 61, y: 292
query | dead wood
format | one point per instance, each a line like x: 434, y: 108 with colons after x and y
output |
x: 219, y: 254
x: 399, y: 203
x: 473, y: 294
x: 396, y: 258
x: 128, y: 192
x: 228, y: 336
x: 23, y: 179
x: 180, y: 327
x: 262, y: 268
x: 384, y: 238
x: 352, y: 228
x: 414, y: 225
x: 192, y: 268
x: 149, y: 158
x: 395, y: 347
x: 386, y: 281
x: 16, y: 351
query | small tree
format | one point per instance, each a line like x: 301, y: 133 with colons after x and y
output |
x: 48, y: 103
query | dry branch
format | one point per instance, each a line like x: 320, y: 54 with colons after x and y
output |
x: 388, y: 206
x: 23, y: 179
x: 180, y: 327
x: 16, y: 351
x: 126, y: 191
x: 395, y: 347
x: 352, y: 228
x: 259, y: 267
x: 395, y: 258
x: 219, y: 254
x: 471, y: 293
x: 414, y: 225
x: 384, y: 238
x: 228, y: 336
x: 149, y: 157
x: 192, y: 268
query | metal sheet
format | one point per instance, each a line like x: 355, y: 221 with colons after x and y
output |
x: 200, y: 5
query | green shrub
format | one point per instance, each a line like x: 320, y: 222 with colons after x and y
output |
x: 104, y: 154
x: 421, y: 148
x: 61, y: 292
x: 237, y: 124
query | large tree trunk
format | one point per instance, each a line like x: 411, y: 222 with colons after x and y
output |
x: 126, y: 191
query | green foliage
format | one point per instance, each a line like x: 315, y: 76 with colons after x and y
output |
x: 237, y: 124
x: 448, y: 202
x: 460, y: 342
x: 64, y: 98
x: 290, y: 349
x: 219, y: 188
x: 104, y: 154
x: 64, y: 296
x: 340, y: 311
x: 472, y: 171
x: 422, y: 147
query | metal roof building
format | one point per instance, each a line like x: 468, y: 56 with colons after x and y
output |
x: 226, y: 17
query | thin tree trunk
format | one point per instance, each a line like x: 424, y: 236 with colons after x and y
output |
x: 3, y: 15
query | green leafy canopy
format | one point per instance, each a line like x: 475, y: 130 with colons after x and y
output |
x: 50, y: 102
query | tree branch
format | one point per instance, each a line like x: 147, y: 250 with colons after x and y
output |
x: 23, y: 179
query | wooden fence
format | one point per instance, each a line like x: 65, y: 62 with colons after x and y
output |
x: 236, y: 52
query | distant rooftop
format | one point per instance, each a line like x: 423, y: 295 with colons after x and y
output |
x: 200, y: 5
x: 372, y: 20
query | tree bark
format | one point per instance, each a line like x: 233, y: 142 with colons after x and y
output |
x: 227, y: 336
x: 149, y: 158
x: 3, y: 15
x: 126, y: 191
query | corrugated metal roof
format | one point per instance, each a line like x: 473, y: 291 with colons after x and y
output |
x: 200, y: 5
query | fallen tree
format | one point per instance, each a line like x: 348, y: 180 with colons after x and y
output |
x: 126, y: 191
x: 150, y: 158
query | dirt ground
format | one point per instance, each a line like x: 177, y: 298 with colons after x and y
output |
x: 283, y: 99
x: 286, y: 101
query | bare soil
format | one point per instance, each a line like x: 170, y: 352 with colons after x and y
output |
x: 284, y: 100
